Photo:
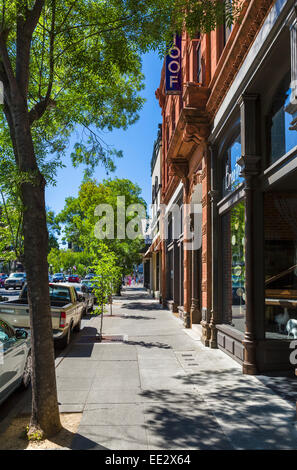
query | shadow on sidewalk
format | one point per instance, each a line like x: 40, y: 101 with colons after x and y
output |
x: 142, y: 306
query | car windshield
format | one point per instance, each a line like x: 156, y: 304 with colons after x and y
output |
x: 56, y: 292
x: 59, y: 293
x: 15, y: 275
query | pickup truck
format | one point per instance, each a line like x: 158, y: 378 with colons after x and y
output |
x: 66, y: 309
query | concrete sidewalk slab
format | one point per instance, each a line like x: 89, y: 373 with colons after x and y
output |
x: 162, y: 389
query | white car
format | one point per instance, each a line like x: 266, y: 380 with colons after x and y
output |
x: 15, y: 359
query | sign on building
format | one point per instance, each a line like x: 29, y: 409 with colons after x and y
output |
x: 173, y: 68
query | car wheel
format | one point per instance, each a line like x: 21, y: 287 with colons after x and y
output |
x: 65, y: 341
x: 27, y: 374
x: 77, y: 327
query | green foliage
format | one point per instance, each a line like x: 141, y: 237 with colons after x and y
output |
x: 107, y: 276
x: 66, y: 259
x: 84, y: 69
x: 79, y: 219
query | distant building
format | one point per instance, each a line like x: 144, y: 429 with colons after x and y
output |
x: 153, y: 256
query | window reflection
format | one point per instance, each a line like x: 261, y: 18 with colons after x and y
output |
x: 282, y: 138
x: 234, y: 266
x: 232, y: 170
x: 281, y: 265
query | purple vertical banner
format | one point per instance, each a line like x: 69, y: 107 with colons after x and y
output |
x: 173, y: 68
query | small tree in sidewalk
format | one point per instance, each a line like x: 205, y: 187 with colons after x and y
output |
x: 107, y: 276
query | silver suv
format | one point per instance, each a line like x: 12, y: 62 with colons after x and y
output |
x: 15, y: 280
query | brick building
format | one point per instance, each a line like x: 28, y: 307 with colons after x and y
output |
x: 229, y: 153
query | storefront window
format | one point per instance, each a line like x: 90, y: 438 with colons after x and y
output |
x: 233, y: 225
x: 281, y: 265
x: 282, y: 138
x: 232, y: 170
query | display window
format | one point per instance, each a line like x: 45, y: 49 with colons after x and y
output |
x: 232, y: 177
x: 280, y: 222
x: 234, y: 273
x: 282, y: 135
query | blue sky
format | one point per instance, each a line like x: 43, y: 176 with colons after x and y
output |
x: 136, y: 143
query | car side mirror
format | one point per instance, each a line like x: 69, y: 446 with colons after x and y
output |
x: 21, y: 334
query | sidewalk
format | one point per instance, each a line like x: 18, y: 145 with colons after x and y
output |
x: 157, y: 387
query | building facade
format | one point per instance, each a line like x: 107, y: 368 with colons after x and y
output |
x: 230, y: 149
x: 153, y: 256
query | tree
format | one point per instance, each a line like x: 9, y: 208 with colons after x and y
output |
x: 80, y: 219
x: 65, y: 64
x: 107, y: 276
x: 67, y: 259
x: 54, y: 230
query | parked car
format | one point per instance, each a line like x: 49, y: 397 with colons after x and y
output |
x: 73, y: 278
x: 87, y: 285
x: 2, y: 279
x: 66, y: 309
x: 15, y: 280
x: 87, y: 297
x: 15, y: 364
x: 89, y: 276
x: 59, y: 277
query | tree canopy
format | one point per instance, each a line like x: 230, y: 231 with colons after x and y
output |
x: 79, y: 219
x: 83, y: 70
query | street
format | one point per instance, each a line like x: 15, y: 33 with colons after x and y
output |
x: 152, y: 385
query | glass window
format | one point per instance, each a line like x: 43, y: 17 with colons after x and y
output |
x: 232, y: 170
x: 280, y: 224
x: 233, y: 224
x: 282, y: 138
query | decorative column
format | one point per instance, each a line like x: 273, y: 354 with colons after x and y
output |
x: 176, y: 277
x: 206, y: 285
x: 180, y: 167
x: 187, y: 259
x: 250, y: 163
x: 195, y: 310
x: 213, y: 194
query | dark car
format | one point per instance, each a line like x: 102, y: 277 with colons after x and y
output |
x: 59, y: 277
x: 73, y: 278
x: 15, y: 280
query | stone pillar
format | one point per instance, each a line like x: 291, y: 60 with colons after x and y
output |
x: 213, y: 194
x: 206, y: 286
x: 163, y: 276
x: 195, y: 308
x: 176, y: 277
x: 187, y: 258
x: 249, y: 162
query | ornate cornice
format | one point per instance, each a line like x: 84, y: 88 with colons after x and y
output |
x: 235, y: 52
x: 193, y: 125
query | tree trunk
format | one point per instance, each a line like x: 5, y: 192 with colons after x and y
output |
x: 45, y: 418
